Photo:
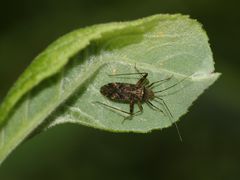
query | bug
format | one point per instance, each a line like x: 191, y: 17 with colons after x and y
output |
x: 140, y: 92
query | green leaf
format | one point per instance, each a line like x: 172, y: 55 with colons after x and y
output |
x: 63, y: 82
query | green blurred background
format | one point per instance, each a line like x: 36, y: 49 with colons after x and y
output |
x: 210, y: 147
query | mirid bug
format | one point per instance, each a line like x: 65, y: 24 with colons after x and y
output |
x: 139, y: 93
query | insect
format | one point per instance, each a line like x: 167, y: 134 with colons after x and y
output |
x: 139, y: 93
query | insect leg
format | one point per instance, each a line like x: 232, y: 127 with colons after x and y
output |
x: 169, y: 112
x: 136, y: 68
x: 155, y: 107
x: 112, y: 107
x: 165, y: 105
x: 143, y: 81
x: 132, y: 109
x: 141, y: 73
x: 140, y: 106
x: 160, y: 81
x: 117, y: 109
x: 131, y: 106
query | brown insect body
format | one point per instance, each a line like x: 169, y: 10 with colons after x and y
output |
x: 125, y: 92
x: 141, y: 92
x: 130, y: 93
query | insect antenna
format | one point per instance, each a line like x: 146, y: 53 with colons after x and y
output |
x: 173, y: 84
x: 169, y: 112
